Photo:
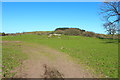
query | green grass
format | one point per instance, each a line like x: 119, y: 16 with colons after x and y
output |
x: 98, y: 54
x: 12, y: 57
x: 0, y: 58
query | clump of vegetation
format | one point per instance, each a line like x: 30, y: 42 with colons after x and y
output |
x: 61, y: 29
x: 69, y: 31
x: 59, y: 32
x: 72, y: 31
x: 3, y: 34
x: 89, y: 34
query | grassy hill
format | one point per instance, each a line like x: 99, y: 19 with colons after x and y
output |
x: 99, y: 55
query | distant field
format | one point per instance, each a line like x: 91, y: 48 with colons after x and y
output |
x: 100, y: 55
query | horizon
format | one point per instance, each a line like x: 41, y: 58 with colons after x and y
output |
x: 44, y: 31
x: 47, y: 16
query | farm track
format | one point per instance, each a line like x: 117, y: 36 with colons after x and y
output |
x: 44, y: 62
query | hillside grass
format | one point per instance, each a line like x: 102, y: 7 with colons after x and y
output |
x: 101, y: 55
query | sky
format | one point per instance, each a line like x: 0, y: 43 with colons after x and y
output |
x: 47, y: 16
x: 53, y: 0
x: 0, y: 16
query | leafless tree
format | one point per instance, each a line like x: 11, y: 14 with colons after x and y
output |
x: 111, y: 13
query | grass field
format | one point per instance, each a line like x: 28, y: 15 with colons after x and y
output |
x: 0, y: 58
x: 99, y: 55
x: 11, y: 58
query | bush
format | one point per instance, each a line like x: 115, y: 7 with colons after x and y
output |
x: 3, y: 34
x: 88, y: 34
x: 72, y: 32
x: 59, y: 32
x: 61, y: 29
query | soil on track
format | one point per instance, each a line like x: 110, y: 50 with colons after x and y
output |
x: 45, y: 62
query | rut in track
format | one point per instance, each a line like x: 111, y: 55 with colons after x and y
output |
x: 45, y: 62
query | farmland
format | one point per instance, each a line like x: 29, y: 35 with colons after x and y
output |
x: 97, y: 55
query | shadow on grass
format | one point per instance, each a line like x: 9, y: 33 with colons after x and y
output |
x: 108, y: 41
x: 111, y: 42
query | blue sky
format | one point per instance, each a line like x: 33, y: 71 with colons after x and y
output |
x: 53, y: 0
x: 0, y: 16
x: 47, y: 16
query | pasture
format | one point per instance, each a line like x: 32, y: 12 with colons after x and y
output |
x: 100, y: 56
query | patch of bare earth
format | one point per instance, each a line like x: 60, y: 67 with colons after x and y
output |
x: 45, y: 62
x: 10, y: 41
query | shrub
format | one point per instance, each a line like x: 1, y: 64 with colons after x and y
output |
x: 89, y: 34
x: 61, y: 29
x: 59, y: 32
x: 3, y: 34
x: 72, y: 32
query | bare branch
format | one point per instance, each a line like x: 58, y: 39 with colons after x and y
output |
x: 111, y: 14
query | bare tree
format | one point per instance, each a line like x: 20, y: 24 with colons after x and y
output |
x: 111, y: 13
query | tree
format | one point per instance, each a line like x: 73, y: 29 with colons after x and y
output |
x: 3, y: 34
x: 111, y: 14
x: 111, y: 29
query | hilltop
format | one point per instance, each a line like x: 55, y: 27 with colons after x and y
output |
x: 66, y: 31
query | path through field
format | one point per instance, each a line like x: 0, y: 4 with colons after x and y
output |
x: 45, y: 62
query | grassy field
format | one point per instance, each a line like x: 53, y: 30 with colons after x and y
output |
x: 0, y: 58
x: 100, y: 55
x: 11, y: 58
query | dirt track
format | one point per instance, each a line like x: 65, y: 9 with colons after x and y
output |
x: 45, y: 62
